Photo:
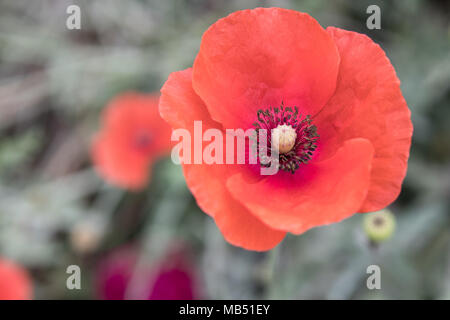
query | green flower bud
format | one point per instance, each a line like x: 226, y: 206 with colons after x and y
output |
x: 379, y: 226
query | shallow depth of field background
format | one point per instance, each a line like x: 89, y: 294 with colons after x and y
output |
x: 55, y: 82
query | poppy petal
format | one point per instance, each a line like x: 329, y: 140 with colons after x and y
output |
x: 326, y: 192
x: 132, y: 137
x: 132, y: 110
x: 368, y: 103
x: 238, y: 226
x: 180, y: 106
x: 113, y: 161
x: 258, y: 58
x: 15, y: 281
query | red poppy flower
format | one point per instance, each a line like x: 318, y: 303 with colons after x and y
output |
x: 114, y: 273
x: 15, y: 282
x: 132, y: 138
x: 332, y: 98
x: 174, y: 278
x: 118, y: 277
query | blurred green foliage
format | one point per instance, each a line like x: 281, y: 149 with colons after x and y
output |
x: 54, y: 82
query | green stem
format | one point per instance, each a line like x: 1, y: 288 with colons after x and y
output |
x: 269, y: 272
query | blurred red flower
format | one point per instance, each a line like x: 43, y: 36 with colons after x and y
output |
x: 15, y: 283
x: 119, y: 277
x: 345, y: 133
x: 133, y: 136
x: 114, y: 273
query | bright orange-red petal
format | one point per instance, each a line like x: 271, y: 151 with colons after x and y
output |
x: 368, y: 103
x: 325, y: 192
x: 118, y: 165
x: 238, y: 226
x: 15, y: 283
x: 180, y: 106
x: 258, y: 58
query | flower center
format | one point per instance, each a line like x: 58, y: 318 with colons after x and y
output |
x: 284, y: 136
x: 142, y: 140
x: 296, y: 136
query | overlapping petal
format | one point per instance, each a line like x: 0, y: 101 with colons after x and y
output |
x: 368, y: 103
x: 324, y: 192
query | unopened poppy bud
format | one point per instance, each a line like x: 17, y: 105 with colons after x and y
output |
x: 379, y: 226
